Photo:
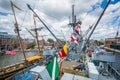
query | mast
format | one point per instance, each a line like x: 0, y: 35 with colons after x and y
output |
x: 73, y: 23
x: 73, y: 13
x: 36, y: 29
x: 17, y: 30
x: 42, y: 36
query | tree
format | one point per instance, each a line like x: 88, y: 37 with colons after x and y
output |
x: 50, y: 40
x: 98, y: 42
x: 32, y: 46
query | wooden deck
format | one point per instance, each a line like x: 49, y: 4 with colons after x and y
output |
x: 68, y: 67
x: 70, y: 64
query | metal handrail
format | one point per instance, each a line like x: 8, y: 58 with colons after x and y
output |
x: 18, y: 75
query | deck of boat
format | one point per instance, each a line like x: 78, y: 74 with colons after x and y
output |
x: 70, y: 64
x: 68, y: 67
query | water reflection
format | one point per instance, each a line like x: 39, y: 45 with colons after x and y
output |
x: 6, y: 60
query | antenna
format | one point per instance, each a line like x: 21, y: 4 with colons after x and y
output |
x: 73, y: 23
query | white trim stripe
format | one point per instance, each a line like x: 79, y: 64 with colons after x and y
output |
x: 54, y: 68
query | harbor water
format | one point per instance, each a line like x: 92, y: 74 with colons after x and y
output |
x: 6, y: 60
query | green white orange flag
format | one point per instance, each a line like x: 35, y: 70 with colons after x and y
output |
x: 53, y: 69
x: 49, y: 72
x: 63, y: 52
x: 12, y: 4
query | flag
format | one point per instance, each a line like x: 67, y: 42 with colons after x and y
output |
x: 63, y: 52
x: 53, y: 69
x: 12, y: 4
x: 77, y: 29
x: 74, y: 39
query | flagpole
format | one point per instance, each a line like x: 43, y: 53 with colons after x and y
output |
x: 17, y: 29
x: 61, y: 67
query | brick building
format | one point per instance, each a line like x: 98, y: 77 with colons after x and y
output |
x: 42, y: 43
x: 112, y: 42
x: 8, y: 39
x: 27, y: 43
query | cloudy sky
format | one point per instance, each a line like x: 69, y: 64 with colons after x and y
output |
x: 55, y: 13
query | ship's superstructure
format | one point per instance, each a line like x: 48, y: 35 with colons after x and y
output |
x: 81, y: 55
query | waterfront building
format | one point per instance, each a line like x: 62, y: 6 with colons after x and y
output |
x: 8, y: 39
x: 112, y: 43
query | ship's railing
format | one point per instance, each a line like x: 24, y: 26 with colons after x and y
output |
x: 113, y: 50
x: 114, y: 72
x: 104, y: 56
x: 22, y: 73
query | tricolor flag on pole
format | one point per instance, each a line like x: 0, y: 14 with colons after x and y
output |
x: 63, y: 52
x: 60, y: 63
x: 49, y: 72
x: 53, y: 69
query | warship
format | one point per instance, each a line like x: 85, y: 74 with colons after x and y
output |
x: 79, y: 59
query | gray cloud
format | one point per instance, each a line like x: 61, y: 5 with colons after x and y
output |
x: 56, y: 13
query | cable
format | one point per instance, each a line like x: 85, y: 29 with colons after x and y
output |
x: 26, y: 14
x: 51, y: 27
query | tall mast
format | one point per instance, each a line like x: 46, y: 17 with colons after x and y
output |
x: 42, y: 36
x: 36, y: 29
x: 17, y: 30
x: 73, y: 23
x: 73, y: 13
x: 73, y: 17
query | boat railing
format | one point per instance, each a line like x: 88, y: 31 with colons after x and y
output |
x: 8, y: 69
x: 22, y: 73
x: 114, y: 72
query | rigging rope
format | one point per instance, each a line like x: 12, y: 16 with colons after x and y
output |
x: 26, y: 14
